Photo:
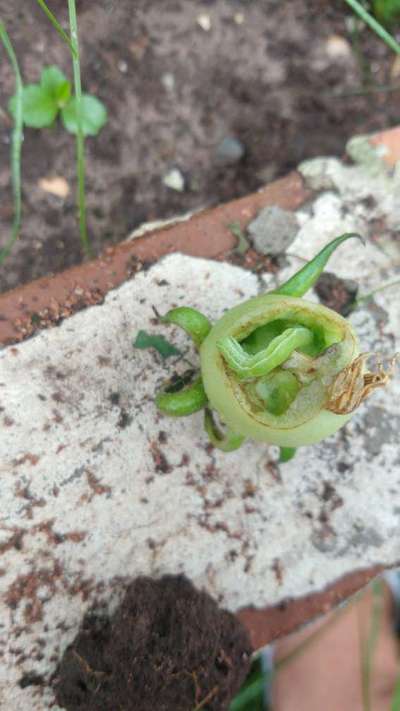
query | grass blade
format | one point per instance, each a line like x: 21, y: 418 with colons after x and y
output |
x: 371, y: 294
x: 374, y: 25
x: 16, y: 144
x: 57, y: 25
x: 252, y: 696
x: 253, y: 689
x: 368, y: 644
x: 395, y: 706
x: 80, y: 140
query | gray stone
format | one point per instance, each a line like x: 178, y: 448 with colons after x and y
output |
x: 273, y: 230
x: 317, y: 173
x: 230, y: 150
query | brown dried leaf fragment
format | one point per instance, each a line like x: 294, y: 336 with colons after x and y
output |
x: 354, y: 383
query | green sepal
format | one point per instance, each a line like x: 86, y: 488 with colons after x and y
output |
x: 306, y: 277
x: 286, y: 454
x: 185, y: 402
x: 228, y: 441
x: 196, y: 325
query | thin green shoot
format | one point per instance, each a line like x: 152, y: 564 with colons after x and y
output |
x: 371, y: 294
x: 363, y: 64
x: 379, y: 89
x: 251, y: 692
x: 366, y: 16
x: 395, y: 705
x: 368, y: 644
x: 57, y: 26
x: 73, y: 44
x: 80, y: 140
x: 16, y: 145
x: 251, y: 696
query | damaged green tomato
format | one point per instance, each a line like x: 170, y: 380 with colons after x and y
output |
x: 277, y: 368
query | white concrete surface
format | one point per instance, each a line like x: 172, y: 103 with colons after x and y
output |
x: 97, y: 487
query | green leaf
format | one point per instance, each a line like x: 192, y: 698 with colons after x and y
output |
x: 387, y: 11
x: 56, y: 85
x: 396, y: 696
x: 38, y: 108
x: 185, y: 402
x: 252, y: 694
x: 162, y: 346
x: 94, y: 115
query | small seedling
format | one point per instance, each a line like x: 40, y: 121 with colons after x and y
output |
x: 44, y: 101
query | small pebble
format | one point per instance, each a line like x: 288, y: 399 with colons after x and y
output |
x: 123, y: 66
x: 395, y: 68
x: 267, y: 173
x: 168, y: 81
x: 174, y: 180
x: 230, y: 150
x: 337, y: 47
x: 273, y: 230
x: 238, y: 18
x: 56, y: 185
x: 204, y: 21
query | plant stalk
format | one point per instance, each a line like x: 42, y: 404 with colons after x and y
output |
x: 80, y: 140
x: 374, y: 25
x: 57, y: 26
x: 368, y: 643
x: 16, y: 144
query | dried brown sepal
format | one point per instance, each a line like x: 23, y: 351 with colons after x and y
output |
x: 354, y: 383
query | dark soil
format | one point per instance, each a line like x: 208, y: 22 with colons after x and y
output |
x: 168, y: 647
x: 271, y: 74
x: 337, y: 294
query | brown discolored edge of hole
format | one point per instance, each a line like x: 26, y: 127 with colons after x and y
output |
x: 47, y: 301
x: 270, y: 623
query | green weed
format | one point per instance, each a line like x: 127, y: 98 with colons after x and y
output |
x: 386, y: 11
x: 363, y: 13
x: 16, y: 144
x: 42, y: 102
